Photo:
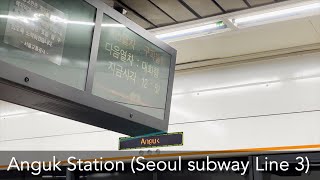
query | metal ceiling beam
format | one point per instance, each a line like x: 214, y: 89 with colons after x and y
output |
x: 190, y: 9
x: 219, y: 6
x: 135, y: 12
x: 162, y: 11
x: 247, y: 3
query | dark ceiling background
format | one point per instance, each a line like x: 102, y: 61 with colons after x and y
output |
x: 158, y: 13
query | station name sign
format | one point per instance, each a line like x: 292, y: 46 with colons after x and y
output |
x: 162, y: 140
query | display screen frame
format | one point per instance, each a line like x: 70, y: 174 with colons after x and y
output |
x: 113, y: 116
x: 101, y: 85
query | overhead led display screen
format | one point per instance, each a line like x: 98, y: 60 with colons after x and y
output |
x: 82, y: 60
x: 130, y: 70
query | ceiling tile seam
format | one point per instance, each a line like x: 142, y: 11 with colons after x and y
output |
x: 136, y: 13
x: 247, y: 3
x: 164, y: 12
x: 189, y: 8
x: 244, y: 117
x: 219, y: 6
x: 52, y: 136
x: 314, y: 27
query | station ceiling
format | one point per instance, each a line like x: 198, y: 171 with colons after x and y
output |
x: 152, y: 14
x: 283, y: 37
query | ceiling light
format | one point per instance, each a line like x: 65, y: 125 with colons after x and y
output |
x: 275, y: 15
x: 181, y: 33
x: 113, y: 25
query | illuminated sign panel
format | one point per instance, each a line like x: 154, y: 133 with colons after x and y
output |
x: 163, y: 140
x: 33, y: 26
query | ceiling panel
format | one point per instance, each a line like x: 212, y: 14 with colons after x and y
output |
x: 204, y: 7
x: 149, y: 11
x: 286, y: 34
x: 315, y: 22
x: 151, y: 14
x: 259, y: 2
x: 230, y: 5
x: 133, y: 17
x: 175, y: 9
